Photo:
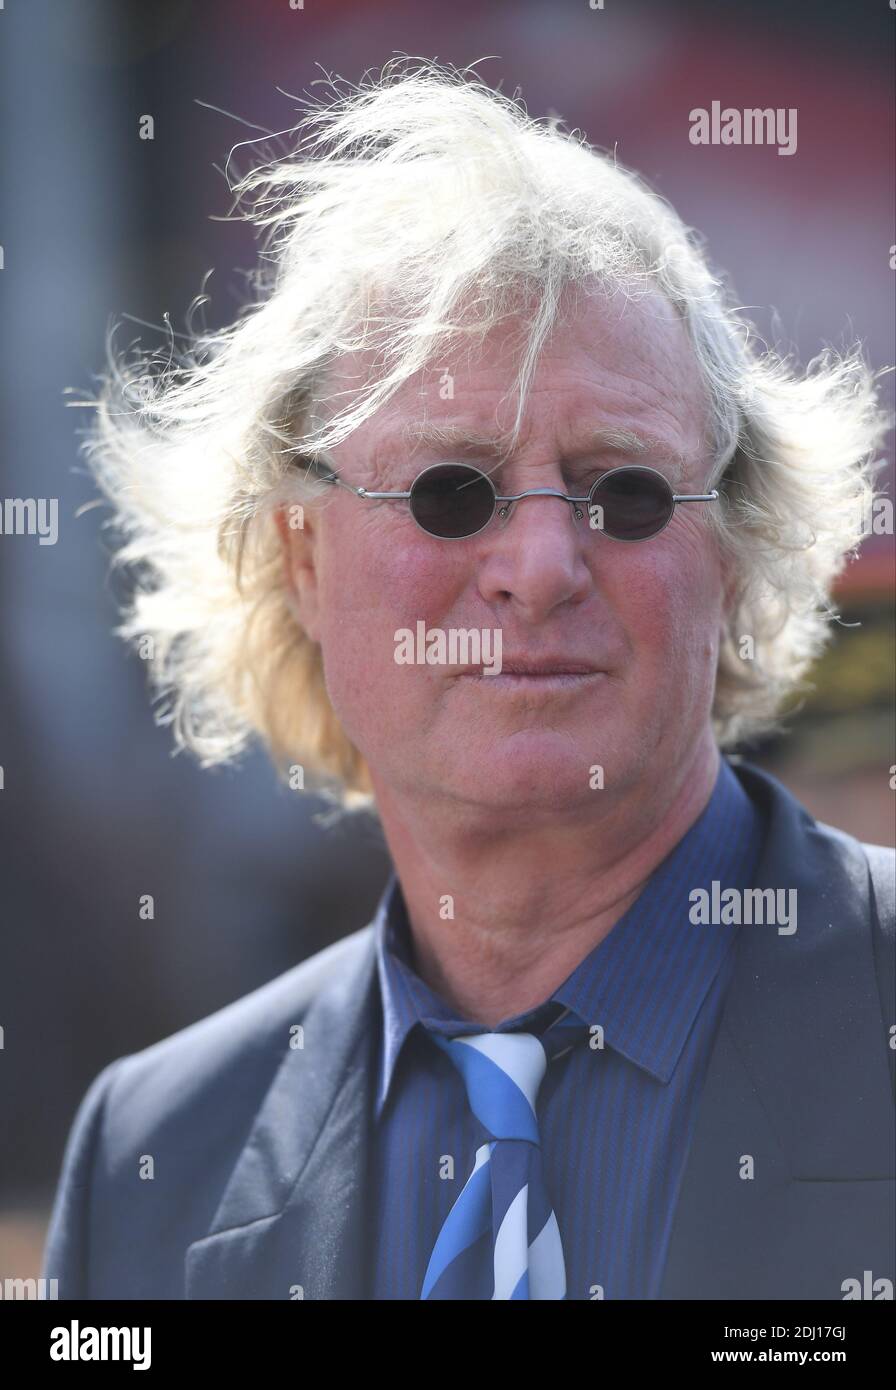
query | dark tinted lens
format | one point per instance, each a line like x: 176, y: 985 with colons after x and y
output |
x: 452, y: 500
x: 635, y: 503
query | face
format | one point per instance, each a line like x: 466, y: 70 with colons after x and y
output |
x: 624, y: 635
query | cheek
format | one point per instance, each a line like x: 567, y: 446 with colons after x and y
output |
x: 383, y: 568
x: 376, y: 576
x: 670, y: 604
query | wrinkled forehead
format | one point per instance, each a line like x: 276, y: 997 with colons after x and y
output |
x: 609, y: 356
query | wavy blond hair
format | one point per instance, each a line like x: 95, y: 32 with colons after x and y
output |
x: 406, y: 217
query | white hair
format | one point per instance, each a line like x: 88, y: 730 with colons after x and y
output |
x: 411, y: 214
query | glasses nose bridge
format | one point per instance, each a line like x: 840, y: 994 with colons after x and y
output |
x: 506, y: 504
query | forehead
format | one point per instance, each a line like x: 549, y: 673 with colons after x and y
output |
x: 611, y: 366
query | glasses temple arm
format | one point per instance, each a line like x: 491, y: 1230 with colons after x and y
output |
x: 331, y: 476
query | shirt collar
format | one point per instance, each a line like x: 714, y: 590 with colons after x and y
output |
x: 643, y: 984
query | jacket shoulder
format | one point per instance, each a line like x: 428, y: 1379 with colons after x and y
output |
x: 851, y: 885
x: 245, y: 1034
x: 794, y: 831
x: 178, y: 1112
x: 882, y: 865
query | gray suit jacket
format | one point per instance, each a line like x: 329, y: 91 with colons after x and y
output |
x: 258, y: 1150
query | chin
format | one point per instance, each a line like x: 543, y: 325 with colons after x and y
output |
x: 534, y: 770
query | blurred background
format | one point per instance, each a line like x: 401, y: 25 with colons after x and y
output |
x: 98, y: 226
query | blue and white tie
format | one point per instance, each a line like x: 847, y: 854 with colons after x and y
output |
x: 505, y: 1196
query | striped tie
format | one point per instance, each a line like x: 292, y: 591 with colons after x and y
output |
x: 503, y: 1215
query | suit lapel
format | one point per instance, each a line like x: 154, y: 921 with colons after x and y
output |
x: 794, y: 1081
x: 292, y: 1214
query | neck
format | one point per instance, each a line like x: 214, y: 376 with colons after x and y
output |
x: 500, y: 916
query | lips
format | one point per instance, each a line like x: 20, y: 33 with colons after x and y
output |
x: 547, y: 666
x: 532, y: 672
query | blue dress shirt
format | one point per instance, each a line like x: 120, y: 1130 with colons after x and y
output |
x: 615, y: 1123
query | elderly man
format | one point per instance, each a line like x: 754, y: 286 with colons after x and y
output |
x: 488, y: 512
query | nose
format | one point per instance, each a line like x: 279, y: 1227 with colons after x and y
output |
x: 535, y: 557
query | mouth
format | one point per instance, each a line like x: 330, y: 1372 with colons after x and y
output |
x: 548, y: 666
x: 528, y: 676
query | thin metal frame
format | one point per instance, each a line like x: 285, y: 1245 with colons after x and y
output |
x: 676, y: 497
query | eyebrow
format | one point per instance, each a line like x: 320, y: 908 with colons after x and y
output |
x: 606, y: 440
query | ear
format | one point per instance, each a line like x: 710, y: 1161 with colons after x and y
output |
x: 299, y: 538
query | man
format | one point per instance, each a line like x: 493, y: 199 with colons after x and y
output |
x: 620, y: 1026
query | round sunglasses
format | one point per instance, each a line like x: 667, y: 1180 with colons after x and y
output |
x: 454, y: 501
